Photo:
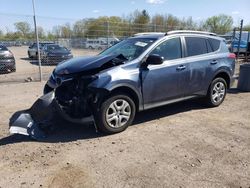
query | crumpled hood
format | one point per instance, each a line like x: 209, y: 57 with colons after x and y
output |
x: 80, y: 64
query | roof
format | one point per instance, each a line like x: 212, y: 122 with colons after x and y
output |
x: 152, y: 35
x: 156, y: 35
x: 190, y: 32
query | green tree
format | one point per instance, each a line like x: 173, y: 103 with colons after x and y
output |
x: 140, y: 21
x: 158, y: 23
x: 246, y: 28
x: 56, y: 31
x: 1, y: 34
x: 66, y: 31
x: 23, y: 28
x: 50, y: 36
x: 79, y: 28
x: 172, y: 22
x: 97, y: 27
x: 188, y: 24
x: 219, y: 24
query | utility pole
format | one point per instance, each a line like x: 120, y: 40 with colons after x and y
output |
x: 108, y: 33
x: 37, y: 41
x: 238, y: 50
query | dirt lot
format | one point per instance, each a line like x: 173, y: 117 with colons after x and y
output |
x: 26, y: 67
x: 180, y: 145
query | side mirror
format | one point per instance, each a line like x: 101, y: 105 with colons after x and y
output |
x: 154, y: 59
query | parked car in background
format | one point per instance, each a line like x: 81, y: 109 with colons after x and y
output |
x: 7, y: 60
x: 54, y: 54
x: 32, y: 51
x: 140, y: 73
x: 18, y: 43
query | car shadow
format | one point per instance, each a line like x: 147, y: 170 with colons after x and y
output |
x: 63, y: 131
x: 35, y: 62
x: 27, y: 59
x: 30, y: 60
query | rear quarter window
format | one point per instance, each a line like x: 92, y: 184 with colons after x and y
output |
x: 224, y: 47
x: 215, y: 44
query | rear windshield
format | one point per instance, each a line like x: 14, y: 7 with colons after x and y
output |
x: 3, y: 48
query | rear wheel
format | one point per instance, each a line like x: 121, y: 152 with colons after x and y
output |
x: 216, y: 92
x: 116, y: 114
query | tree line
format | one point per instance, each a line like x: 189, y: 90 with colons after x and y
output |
x: 137, y: 21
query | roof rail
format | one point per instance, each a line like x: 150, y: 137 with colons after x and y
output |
x: 190, y: 32
x: 148, y: 33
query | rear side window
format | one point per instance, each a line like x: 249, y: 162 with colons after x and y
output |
x: 196, y: 46
x: 209, y: 48
x: 169, y: 50
x: 214, y: 43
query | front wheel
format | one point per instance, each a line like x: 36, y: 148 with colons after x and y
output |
x: 115, y: 114
x: 216, y: 92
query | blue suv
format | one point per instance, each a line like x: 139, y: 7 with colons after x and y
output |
x: 139, y: 73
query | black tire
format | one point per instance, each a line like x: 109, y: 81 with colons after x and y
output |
x: 100, y: 116
x: 30, y: 55
x: 211, y: 93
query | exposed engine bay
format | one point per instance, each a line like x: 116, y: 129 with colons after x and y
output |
x: 73, y: 94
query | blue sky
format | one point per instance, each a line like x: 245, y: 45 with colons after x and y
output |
x: 78, y: 9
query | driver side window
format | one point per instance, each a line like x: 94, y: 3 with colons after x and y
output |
x: 169, y: 49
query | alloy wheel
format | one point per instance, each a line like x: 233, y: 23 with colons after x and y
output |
x: 118, y: 113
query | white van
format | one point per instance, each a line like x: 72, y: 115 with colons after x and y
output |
x: 101, y: 43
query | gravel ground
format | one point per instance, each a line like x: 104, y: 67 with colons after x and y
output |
x: 179, y: 145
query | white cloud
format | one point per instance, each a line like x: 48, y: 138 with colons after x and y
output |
x: 198, y: 18
x: 155, y: 1
x: 132, y: 2
x: 235, y: 12
x: 96, y: 11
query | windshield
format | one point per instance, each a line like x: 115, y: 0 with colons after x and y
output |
x: 3, y: 48
x: 130, y: 48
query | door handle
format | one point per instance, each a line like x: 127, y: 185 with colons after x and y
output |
x: 181, y: 67
x: 214, y: 62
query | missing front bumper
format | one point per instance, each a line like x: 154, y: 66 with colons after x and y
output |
x: 37, y: 120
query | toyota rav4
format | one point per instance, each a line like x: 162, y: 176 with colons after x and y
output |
x: 139, y: 73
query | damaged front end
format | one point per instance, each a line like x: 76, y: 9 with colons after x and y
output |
x: 72, y: 101
x: 66, y: 94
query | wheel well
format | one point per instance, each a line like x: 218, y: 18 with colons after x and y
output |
x: 225, y: 76
x: 128, y: 91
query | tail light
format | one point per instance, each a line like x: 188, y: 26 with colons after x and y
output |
x: 231, y: 55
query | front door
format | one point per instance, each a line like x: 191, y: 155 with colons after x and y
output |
x: 168, y: 80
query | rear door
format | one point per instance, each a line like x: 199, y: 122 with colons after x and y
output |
x: 201, y: 59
